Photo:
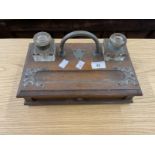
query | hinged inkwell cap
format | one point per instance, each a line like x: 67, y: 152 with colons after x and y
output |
x: 118, y: 40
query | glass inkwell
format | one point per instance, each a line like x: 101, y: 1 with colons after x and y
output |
x: 115, y: 47
x: 44, y: 47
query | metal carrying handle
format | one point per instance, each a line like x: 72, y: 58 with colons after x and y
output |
x: 79, y: 34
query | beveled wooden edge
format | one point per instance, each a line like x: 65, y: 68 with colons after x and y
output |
x: 77, y: 93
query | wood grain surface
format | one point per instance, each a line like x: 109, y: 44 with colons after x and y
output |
x: 134, y: 118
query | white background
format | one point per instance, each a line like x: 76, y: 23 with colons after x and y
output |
x: 80, y: 9
x: 77, y: 145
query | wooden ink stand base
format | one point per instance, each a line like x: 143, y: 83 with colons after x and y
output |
x: 46, y: 83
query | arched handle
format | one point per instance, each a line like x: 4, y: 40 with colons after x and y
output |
x: 80, y: 34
